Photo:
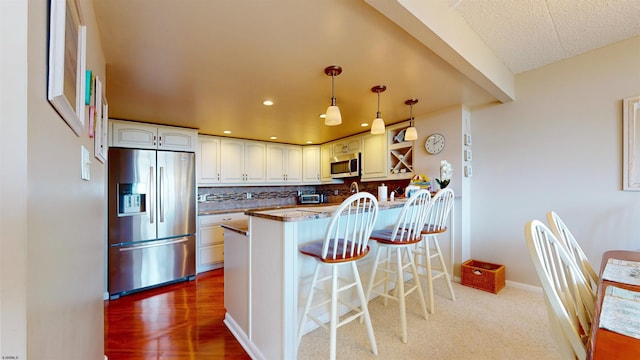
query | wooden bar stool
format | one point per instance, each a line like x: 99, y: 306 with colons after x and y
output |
x: 436, y: 223
x: 400, y: 239
x: 346, y: 241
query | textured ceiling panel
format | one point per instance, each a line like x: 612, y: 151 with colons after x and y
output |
x: 586, y: 25
x: 528, y: 34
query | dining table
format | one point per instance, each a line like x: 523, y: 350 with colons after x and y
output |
x: 604, y: 343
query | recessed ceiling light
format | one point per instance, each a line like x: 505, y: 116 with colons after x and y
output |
x: 309, y: 142
x: 322, y: 116
x: 268, y: 102
x: 364, y: 124
x: 227, y: 132
x: 273, y: 137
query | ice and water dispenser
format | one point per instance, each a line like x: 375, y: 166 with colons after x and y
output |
x: 131, y: 199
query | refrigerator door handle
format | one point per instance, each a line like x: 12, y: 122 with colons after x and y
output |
x: 161, y: 194
x: 177, y: 241
x: 152, y: 204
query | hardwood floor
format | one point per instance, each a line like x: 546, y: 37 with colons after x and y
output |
x: 179, y: 321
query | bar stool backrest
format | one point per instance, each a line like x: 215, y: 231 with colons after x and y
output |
x: 439, y: 210
x: 412, y: 217
x: 351, y: 224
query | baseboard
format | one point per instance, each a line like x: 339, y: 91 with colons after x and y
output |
x: 527, y: 287
x: 242, y: 337
x: 513, y: 284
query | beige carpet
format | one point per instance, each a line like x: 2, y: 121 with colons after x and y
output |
x: 512, y: 324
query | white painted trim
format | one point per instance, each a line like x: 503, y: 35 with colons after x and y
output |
x: 527, y: 287
x: 513, y: 284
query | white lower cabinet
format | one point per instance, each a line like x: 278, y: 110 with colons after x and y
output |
x: 211, y: 240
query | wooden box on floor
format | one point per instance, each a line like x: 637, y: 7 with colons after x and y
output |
x: 483, y: 275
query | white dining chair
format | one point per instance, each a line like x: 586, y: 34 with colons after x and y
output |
x: 428, y: 249
x: 570, y: 304
x: 400, y: 240
x: 561, y: 231
x: 346, y: 241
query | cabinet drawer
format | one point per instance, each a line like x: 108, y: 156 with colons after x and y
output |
x: 211, y: 254
x: 211, y: 235
x: 210, y: 220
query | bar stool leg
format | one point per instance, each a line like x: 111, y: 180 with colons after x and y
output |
x: 308, y: 304
x: 334, y: 313
x: 365, y: 310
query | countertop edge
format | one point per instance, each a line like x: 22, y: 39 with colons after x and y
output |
x: 239, y: 226
x: 293, y: 214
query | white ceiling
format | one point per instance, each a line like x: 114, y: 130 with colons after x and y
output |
x: 209, y: 64
x: 527, y: 34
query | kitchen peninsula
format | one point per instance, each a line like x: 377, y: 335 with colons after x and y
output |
x: 267, y: 279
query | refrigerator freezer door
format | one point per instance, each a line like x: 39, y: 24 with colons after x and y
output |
x: 176, y: 194
x: 150, y: 263
x: 132, y: 200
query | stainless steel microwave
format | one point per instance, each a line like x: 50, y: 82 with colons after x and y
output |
x: 347, y: 165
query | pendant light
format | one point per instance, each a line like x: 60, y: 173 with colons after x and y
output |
x: 378, y: 124
x: 411, y: 133
x: 333, y: 116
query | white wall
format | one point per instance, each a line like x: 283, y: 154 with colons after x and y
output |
x: 65, y: 215
x: 13, y: 178
x: 558, y: 147
x: 451, y: 122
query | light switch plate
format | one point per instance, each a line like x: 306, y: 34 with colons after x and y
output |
x: 467, y: 155
x: 467, y: 139
x: 85, y: 164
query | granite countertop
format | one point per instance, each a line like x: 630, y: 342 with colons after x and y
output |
x: 303, y: 213
x: 270, y: 207
x: 239, y: 226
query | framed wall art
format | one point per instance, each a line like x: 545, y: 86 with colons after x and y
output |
x: 631, y: 144
x: 67, y: 62
x: 101, y: 120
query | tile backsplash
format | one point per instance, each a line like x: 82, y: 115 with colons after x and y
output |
x: 252, y: 197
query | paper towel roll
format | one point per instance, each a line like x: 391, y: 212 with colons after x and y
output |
x: 382, y: 193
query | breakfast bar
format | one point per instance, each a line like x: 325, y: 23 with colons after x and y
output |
x: 270, y: 278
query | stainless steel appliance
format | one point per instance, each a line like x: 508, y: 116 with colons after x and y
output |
x: 347, y: 165
x: 152, y: 218
x: 311, y: 199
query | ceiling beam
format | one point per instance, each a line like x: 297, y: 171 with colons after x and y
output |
x: 440, y: 28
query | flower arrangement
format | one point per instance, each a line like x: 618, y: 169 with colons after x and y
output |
x: 446, y: 170
x: 421, y: 180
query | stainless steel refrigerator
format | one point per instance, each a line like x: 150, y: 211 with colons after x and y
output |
x: 152, y: 218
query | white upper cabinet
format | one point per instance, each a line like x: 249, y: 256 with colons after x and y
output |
x: 147, y: 136
x: 208, y: 160
x: 347, y: 146
x: 311, y: 164
x: 242, y: 161
x: 284, y: 163
x: 326, y: 153
x: 374, y: 156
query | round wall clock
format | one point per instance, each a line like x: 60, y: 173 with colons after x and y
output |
x: 435, y: 143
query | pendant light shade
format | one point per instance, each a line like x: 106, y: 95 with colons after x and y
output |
x: 378, y: 124
x: 411, y: 133
x: 333, y: 116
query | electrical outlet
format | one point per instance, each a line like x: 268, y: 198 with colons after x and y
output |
x: 248, y: 195
x: 335, y: 192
